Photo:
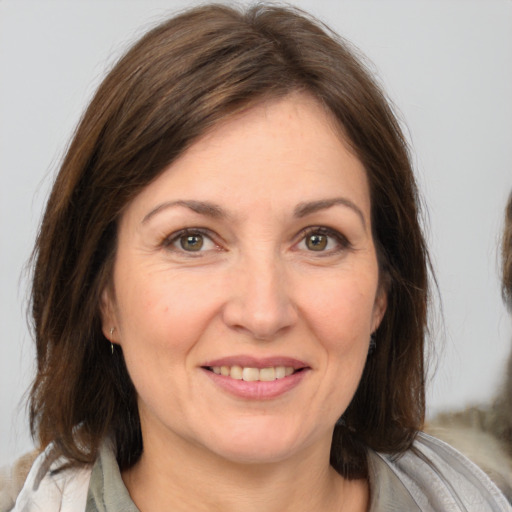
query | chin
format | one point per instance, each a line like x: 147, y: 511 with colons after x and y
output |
x: 258, y: 446
x: 255, y: 454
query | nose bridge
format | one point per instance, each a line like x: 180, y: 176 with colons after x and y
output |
x: 260, y: 302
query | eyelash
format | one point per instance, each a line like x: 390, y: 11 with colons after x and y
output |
x: 342, y: 242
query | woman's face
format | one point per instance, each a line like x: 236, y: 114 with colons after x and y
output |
x: 246, y: 287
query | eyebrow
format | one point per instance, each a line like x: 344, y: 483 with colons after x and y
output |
x: 304, y: 209
x: 201, y: 207
x: 215, y: 211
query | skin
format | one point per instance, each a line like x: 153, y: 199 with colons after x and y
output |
x: 274, y: 179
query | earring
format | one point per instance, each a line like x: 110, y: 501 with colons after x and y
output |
x: 112, y: 329
x: 373, y: 344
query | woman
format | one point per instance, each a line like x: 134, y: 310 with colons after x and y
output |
x: 230, y: 287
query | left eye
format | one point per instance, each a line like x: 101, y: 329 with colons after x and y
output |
x: 323, y: 240
x: 316, y: 242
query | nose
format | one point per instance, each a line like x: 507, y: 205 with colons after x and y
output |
x: 260, y: 303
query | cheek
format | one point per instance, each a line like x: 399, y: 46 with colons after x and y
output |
x: 342, y: 311
x: 159, y: 327
x: 164, y: 311
x: 342, y: 320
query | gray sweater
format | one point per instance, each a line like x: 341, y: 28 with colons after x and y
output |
x: 432, y: 477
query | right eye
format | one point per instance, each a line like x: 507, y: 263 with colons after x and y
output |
x: 191, y: 241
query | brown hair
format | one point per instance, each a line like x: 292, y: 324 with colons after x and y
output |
x: 179, y: 80
x: 506, y: 253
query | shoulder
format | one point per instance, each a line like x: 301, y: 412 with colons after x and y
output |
x: 432, y: 476
x: 12, y: 479
x: 467, y: 432
x: 37, y: 483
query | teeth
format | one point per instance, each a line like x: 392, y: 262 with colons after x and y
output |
x: 249, y: 374
x: 267, y: 374
x: 281, y: 372
x: 236, y: 372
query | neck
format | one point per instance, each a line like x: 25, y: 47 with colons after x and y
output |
x: 190, y: 479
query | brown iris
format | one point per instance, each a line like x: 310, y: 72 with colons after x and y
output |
x: 192, y: 242
x: 316, y: 242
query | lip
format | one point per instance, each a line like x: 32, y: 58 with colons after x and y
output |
x: 257, y: 362
x: 257, y: 390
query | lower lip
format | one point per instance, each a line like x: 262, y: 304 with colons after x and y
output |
x: 257, y: 390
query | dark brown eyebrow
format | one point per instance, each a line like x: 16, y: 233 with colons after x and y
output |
x: 303, y: 209
x: 215, y: 211
x: 201, y: 207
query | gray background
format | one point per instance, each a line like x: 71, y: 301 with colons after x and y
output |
x: 447, y: 65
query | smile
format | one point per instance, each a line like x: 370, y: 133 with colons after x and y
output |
x: 249, y: 374
x: 256, y: 378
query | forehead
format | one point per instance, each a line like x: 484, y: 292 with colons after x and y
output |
x: 297, y: 115
x: 278, y: 152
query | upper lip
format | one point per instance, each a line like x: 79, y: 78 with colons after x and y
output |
x: 246, y: 361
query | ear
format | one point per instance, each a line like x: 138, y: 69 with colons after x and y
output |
x: 108, y: 316
x: 379, y: 307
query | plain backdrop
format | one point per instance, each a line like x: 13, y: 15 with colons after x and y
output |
x: 447, y: 66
